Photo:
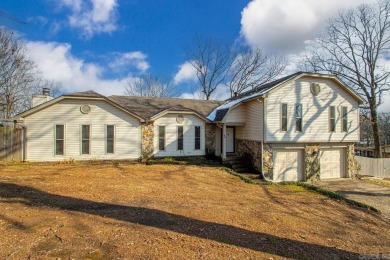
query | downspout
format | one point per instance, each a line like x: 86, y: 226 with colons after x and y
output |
x: 262, y: 142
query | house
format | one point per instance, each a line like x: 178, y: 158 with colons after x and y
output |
x: 291, y: 129
x: 295, y: 128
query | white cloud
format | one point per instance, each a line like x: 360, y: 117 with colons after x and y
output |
x: 284, y: 25
x: 186, y: 73
x: 92, y: 16
x: 135, y: 59
x: 56, y: 62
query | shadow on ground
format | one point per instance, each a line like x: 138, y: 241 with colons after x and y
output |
x: 284, y: 247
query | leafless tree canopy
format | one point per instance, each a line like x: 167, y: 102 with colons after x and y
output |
x: 211, y: 61
x: 238, y: 69
x: 19, y: 76
x: 150, y: 86
x: 384, y: 126
x: 251, y: 68
x: 353, y: 47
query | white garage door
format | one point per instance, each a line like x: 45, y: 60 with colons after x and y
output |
x: 288, y: 165
x: 332, y: 163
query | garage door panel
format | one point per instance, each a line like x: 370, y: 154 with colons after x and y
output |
x: 332, y: 163
x: 287, y: 165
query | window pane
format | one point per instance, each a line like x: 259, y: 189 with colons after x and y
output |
x: 110, y: 132
x: 59, y: 132
x: 85, y: 147
x: 332, y: 119
x: 180, y: 138
x: 59, y: 147
x: 284, y: 124
x: 110, y: 146
x: 299, y: 124
x: 345, y: 119
x: 161, y: 137
x: 298, y: 110
x: 284, y: 110
x: 85, y: 132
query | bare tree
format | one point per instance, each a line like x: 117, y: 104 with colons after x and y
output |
x: 353, y: 47
x: 211, y: 61
x: 384, y: 126
x: 365, y: 130
x: 150, y: 86
x: 251, y: 68
x: 17, y: 72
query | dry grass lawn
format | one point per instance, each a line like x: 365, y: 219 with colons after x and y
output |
x: 127, y: 211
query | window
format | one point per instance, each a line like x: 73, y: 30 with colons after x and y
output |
x: 298, y: 117
x: 161, y: 137
x: 60, y: 137
x: 284, y: 117
x: 332, y: 119
x: 180, y: 137
x: 344, y: 121
x: 110, y: 135
x: 85, y: 139
x: 197, y: 137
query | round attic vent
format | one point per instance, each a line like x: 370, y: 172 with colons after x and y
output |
x: 180, y: 119
x: 85, y: 109
x: 315, y: 89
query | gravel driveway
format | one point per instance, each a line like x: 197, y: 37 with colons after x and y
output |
x: 371, y: 194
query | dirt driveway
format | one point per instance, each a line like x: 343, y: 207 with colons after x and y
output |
x: 125, y: 211
x: 364, y: 191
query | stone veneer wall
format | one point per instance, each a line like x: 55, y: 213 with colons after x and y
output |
x: 251, y: 149
x: 210, y: 132
x: 268, y: 161
x: 351, y: 163
x: 312, y: 162
x: 147, y: 145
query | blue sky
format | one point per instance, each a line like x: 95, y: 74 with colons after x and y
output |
x: 101, y: 44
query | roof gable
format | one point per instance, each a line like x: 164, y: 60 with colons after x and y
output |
x: 219, y: 113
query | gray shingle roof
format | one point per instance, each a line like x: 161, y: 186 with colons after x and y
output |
x: 90, y: 94
x: 147, y: 107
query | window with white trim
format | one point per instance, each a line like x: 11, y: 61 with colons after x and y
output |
x: 161, y: 137
x: 85, y: 139
x: 332, y: 119
x: 284, y: 120
x: 60, y: 139
x: 180, y: 138
x: 110, y: 138
x: 298, y: 117
x: 344, y: 119
x: 197, y: 137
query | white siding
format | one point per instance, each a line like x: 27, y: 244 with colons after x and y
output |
x: 253, y: 129
x: 315, y: 112
x: 189, y: 123
x: 40, y: 131
x: 236, y: 115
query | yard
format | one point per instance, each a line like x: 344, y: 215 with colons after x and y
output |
x: 118, y: 210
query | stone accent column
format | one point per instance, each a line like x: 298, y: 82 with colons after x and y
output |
x: 351, y: 163
x: 147, y: 142
x: 268, y: 162
x: 250, y: 149
x: 210, y: 141
x: 312, y: 162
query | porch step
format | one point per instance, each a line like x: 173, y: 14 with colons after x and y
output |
x: 238, y: 164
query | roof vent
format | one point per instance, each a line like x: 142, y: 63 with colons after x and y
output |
x: 315, y: 89
x: 85, y: 109
x: 180, y: 119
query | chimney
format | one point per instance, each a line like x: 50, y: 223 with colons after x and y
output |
x: 235, y: 94
x: 46, y: 91
x: 39, y: 99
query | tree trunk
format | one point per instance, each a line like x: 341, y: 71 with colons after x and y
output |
x: 375, y: 132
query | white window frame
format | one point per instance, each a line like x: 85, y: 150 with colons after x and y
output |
x: 200, y: 137
x: 177, y: 132
x: 113, y: 139
x: 281, y: 117
x: 89, y: 140
x: 164, y: 138
x: 63, y: 140
x: 330, y: 119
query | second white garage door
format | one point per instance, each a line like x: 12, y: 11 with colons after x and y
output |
x: 332, y: 163
x: 288, y: 165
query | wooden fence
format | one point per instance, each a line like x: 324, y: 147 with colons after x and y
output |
x: 11, y: 143
x: 373, y: 166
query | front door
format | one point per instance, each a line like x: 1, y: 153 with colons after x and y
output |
x: 229, y: 139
